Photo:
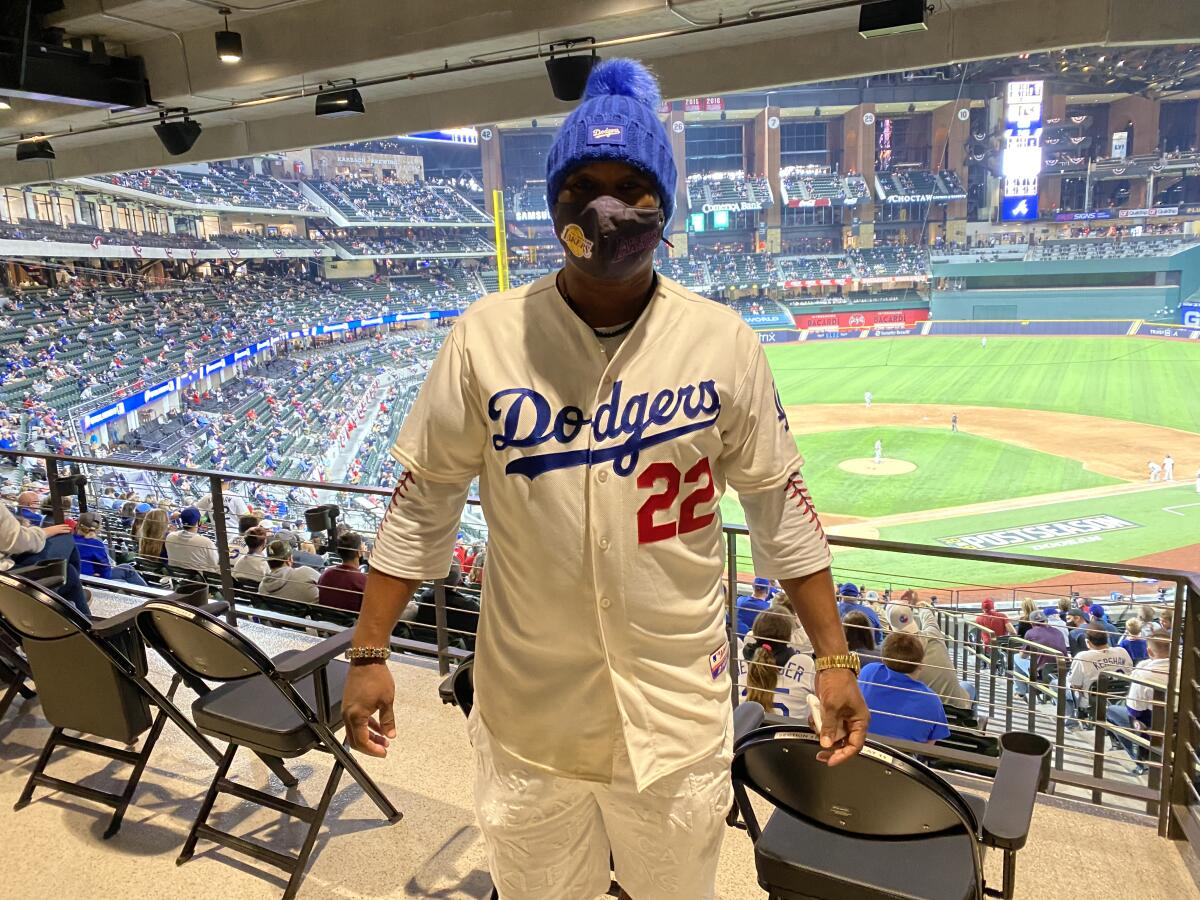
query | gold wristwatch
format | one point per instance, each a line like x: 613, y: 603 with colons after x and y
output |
x: 839, y: 661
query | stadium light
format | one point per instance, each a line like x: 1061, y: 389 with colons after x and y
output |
x: 229, y: 43
x: 341, y: 102
x: 34, y: 150
x: 569, y: 74
x: 177, y: 137
x: 887, y: 17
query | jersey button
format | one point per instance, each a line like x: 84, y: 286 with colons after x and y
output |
x: 602, y: 476
x: 605, y: 603
x: 603, y: 543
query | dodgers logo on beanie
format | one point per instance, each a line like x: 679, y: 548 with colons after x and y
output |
x: 616, y: 120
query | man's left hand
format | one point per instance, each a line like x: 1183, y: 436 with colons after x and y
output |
x: 842, y: 709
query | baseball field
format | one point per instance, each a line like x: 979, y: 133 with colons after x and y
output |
x: 1051, y: 455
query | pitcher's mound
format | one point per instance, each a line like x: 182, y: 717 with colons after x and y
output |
x: 868, y: 466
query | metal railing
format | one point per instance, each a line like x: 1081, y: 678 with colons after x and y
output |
x: 1040, y: 700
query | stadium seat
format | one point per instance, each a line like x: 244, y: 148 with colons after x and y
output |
x: 286, y: 706
x: 91, y: 678
x: 880, y: 825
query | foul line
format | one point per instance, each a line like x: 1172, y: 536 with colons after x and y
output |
x: 1171, y: 509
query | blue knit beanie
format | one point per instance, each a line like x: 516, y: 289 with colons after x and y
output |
x: 617, y: 120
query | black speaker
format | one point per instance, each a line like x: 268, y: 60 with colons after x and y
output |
x: 335, y: 104
x: 34, y: 150
x: 321, y: 518
x: 178, y: 137
x: 886, y: 17
x: 569, y: 75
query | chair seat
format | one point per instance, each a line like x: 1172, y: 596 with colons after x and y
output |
x: 253, y: 713
x: 799, y: 861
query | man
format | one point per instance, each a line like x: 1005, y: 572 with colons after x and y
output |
x: 1155, y: 470
x: 1077, y: 623
x: 233, y: 505
x: 901, y: 706
x: 1168, y: 468
x: 341, y: 586
x: 1137, y: 712
x: 187, y: 548
x: 994, y: 624
x: 848, y: 602
x: 1087, y: 666
x: 867, y: 399
x: 301, y: 556
x: 252, y: 565
x: 954, y: 423
x: 937, y: 669
x: 878, y: 452
x: 462, y: 612
x: 286, y: 580
x: 1040, y: 666
x: 748, y: 608
x: 605, y: 410
x: 1099, y: 617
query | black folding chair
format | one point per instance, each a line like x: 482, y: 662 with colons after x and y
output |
x: 282, y: 707
x: 880, y: 825
x: 91, y: 678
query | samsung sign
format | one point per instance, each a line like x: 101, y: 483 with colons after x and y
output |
x: 141, y: 398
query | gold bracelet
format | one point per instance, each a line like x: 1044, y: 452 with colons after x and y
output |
x: 368, y: 653
x: 839, y: 661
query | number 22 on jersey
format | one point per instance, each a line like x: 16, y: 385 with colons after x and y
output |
x: 655, y: 517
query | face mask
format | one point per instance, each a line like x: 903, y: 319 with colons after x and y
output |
x: 607, y: 239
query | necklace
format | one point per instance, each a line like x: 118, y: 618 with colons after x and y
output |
x: 602, y: 332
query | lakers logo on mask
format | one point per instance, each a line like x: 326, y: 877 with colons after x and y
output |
x: 575, y: 241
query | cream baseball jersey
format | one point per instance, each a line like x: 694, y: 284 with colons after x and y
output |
x: 603, y: 608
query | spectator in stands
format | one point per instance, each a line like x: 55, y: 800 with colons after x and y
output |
x: 462, y: 613
x: 748, y: 607
x: 24, y: 545
x: 1087, y: 666
x: 1077, y: 623
x: 900, y: 705
x: 341, y: 586
x: 94, y: 556
x: 1100, y: 617
x: 301, y: 556
x: 848, y: 601
x: 1025, y: 617
x: 937, y: 669
x: 993, y: 623
x: 187, y: 548
x: 860, y: 636
x: 234, y: 506
x: 1136, y: 712
x: 237, y: 542
x: 152, y: 542
x: 1132, y: 642
x: 286, y: 580
x: 252, y: 564
x: 1039, y: 666
x: 776, y: 675
x: 29, y: 507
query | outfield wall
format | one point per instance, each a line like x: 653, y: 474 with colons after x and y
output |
x: 1032, y: 328
x: 1143, y: 302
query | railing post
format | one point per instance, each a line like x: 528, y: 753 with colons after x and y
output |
x: 439, y: 618
x: 731, y: 611
x: 1178, y: 730
x: 1060, y: 712
x: 223, y: 564
x: 56, y: 513
x: 1158, y: 720
x: 1099, y: 716
x: 1008, y: 700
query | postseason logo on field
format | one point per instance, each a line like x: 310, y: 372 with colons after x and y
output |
x: 1031, y: 534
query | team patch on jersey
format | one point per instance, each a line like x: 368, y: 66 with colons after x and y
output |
x: 575, y: 241
x: 718, y: 660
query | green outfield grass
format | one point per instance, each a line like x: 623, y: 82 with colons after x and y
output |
x: 1140, y: 379
x: 952, y: 470
x: 1157, y: 531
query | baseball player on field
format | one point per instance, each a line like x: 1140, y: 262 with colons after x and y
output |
x: 878, y: 452
x: 867, y: 399
x: 1168, y: 468
x: 605, y: 409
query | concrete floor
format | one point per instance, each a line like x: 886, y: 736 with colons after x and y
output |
x: 54, y: 846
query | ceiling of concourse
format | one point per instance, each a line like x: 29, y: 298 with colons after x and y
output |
x: 293, y: 46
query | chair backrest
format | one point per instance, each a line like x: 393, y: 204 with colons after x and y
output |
x: 877, y: 793
x: 464, y: 685
x: 85, y: 682
x: 199, y: 645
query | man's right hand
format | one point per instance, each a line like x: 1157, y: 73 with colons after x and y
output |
x: 55, y: 530
x: 367, y: 708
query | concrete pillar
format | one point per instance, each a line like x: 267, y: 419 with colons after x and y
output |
x: 858, y: 156
x: 766, y: 162
x: 950, y: 137
x: 489, y: 152
x: 1143, y: 113
x: 1054, y: 106
x: 678, y: 226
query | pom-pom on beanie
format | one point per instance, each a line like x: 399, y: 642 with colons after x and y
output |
x: 616, y: 120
